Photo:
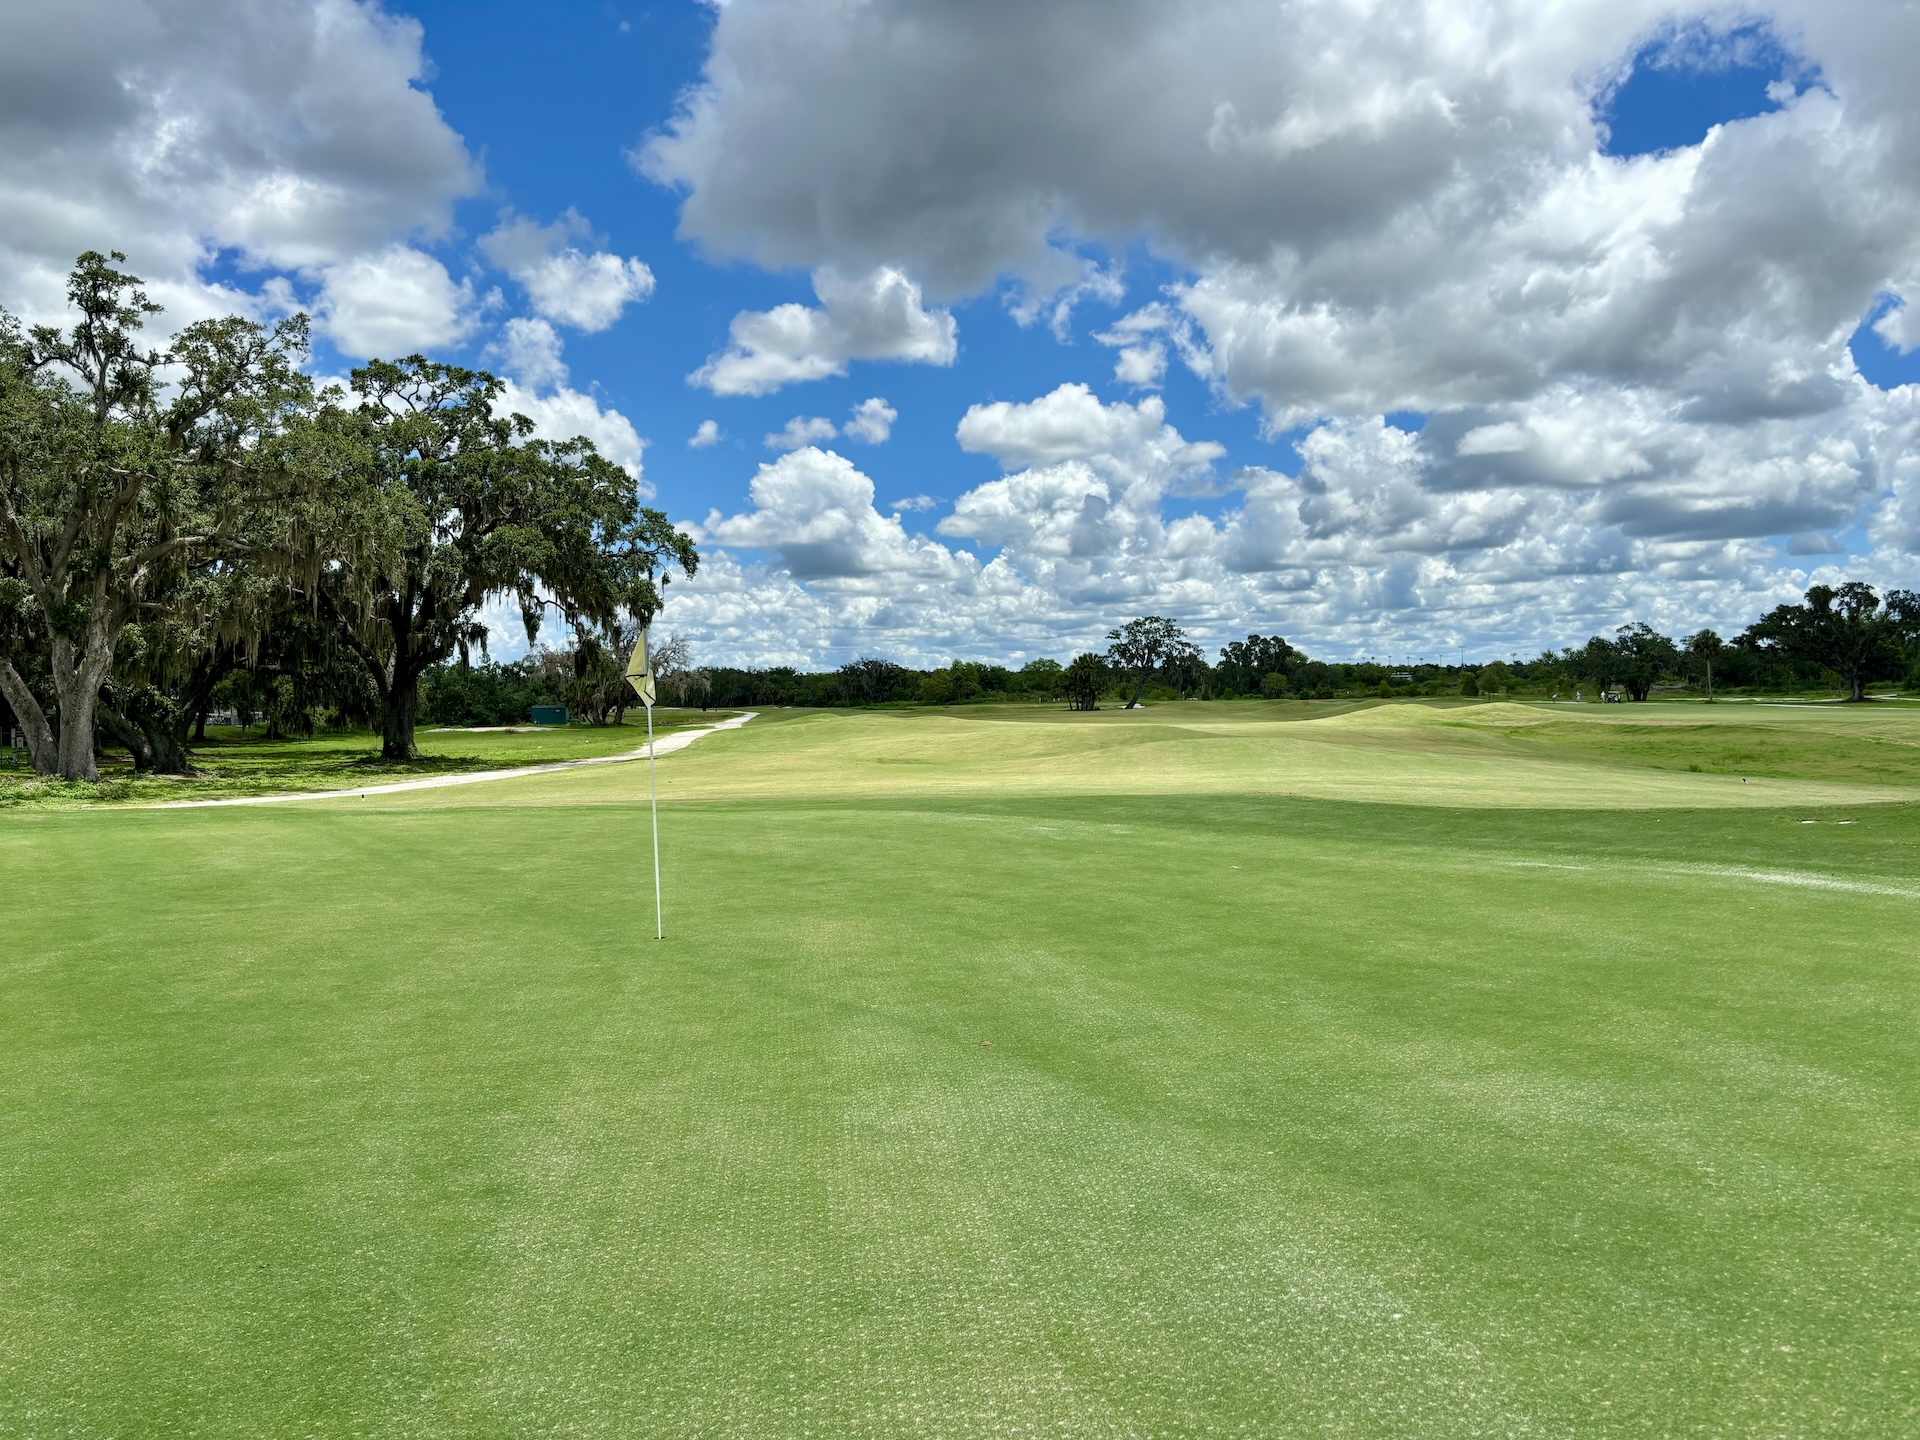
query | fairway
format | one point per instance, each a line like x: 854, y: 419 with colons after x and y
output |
x: 1211, y: 1070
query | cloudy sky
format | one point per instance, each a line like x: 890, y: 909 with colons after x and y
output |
x: 972, y: 327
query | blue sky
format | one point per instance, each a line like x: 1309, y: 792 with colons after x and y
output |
x: 1471, y: 328
x: 554, y: 110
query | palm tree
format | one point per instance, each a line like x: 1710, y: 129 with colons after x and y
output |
x: 1703, y: 647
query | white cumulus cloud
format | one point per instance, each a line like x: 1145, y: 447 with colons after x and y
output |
x: 394, y: 302
x: 815, y: 510
x: 293, y: 132
x: 707, y: 433
x: 875, y: 316
x: 563, y: 413
x: 801, y: 431
x: 872, y: 421
x: 530, y: 350
x: 1633, y: 372
x: 585, y: 288
x: 1072, y: 423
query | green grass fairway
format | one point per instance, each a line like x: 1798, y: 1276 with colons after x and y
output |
x: 1205, y: 1071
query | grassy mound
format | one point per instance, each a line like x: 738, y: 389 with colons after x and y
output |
x: 1522, y: 756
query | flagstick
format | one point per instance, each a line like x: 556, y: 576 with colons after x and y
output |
x: 653, y: 802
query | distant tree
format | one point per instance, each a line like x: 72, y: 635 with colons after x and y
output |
x: 1142, y: 646
x: 1494, y: 678
x: 1083, y: 681
x: 1245, y: 664
x: 481, y: 694
x: 1185, y: 668
x: 1041, y: 679
x: 936, y: 688
x: 1597, y: 663
x: 1273, y: 685
x: 1643, y: 655
x: 874, y: 682
x: 681, y: 680
x: 1704, y: 646
x: 1469, y: 683
x: 599, y: 689
x: 1849, y: 630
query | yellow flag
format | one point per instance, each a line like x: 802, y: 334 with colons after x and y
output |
x: 640, y: 671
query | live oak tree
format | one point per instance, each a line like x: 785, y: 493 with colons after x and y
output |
x: 165, y: 671
x: 126, y: 473
x: 1142, y: 646
x: 1642, y: 656
x: 1848, y: 630
x: 429, y: 501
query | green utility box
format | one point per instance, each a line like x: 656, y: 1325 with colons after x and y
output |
x: 549, y: 714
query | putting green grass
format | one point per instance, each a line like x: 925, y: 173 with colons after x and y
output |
x: 1408, y: 1071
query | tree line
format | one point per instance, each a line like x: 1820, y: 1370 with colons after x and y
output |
x: 1844, y: 637
x: 197, y: 520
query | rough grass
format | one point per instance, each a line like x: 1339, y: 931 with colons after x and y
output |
x: 233, y: 764
x: 1351, y: 1113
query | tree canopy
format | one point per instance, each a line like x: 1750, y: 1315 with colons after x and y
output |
x: 127, y: 474
x: 1849, y: 630
x: 1152, y: 642
x: 430, y: 500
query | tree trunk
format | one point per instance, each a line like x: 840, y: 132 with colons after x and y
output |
x: 1139, y: 685
x: 129, y: 735
x: 397, y: 718
x: 1859, y: 683
x: 167, y: 743
x: 1709, y: 682
x: 77, y: 761
x: 33, y: 720
x: 200, y: 725
x: 76, y: 683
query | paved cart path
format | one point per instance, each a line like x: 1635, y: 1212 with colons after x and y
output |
x: 666, y: 745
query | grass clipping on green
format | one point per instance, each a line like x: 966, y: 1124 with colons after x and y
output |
x: 1411, y: 1071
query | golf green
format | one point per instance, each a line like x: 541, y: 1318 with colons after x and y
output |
x: 1211, y: 1070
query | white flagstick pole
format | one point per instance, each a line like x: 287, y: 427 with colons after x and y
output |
x: 653, y: 802
x: 640, y: 676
